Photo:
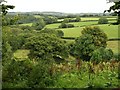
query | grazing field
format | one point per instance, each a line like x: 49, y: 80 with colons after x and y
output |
x: 114, y: 46
x: 38, y: 16
x: 26, y: 24
x: 52, y: 25
x: 111, y: 31
x: 96, y: 18
x: 21, y: 54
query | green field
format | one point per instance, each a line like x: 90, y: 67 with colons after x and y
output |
x: 111, y: 31
x: 21, y: 54
x: 52, y: 25
x: 114, y: 46
x: 96, y: 18
x: 26, y: 24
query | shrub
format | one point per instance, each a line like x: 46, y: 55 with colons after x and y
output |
x: 58, y: 33
x: 66, y: 25
x: 15, y: 74
x: 103, y: 20
x: 101, y: 54
x: 116, y: 56
x: 40, y: 76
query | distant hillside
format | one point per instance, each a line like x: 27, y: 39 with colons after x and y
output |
x: 58, y: 13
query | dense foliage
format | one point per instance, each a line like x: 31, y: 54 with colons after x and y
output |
x: 58, y: 33
x: 101, y: 54
x: 45, y: 46
x: 91, y: 39
x: 37, y: 57
x: 40, y: 24
x: 66, y: 25
x: 116, y: 10
x: 102, y: 20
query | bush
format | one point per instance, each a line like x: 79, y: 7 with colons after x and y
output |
x: 103, y: 20
x: 58, y: 33
x: 66, y: 25
x: 116, y: 56
x: 13, y: 36
x: 101, y: 54
x: 40, y: 76
x: 16, y: 73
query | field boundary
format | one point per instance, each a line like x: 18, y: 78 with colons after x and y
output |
x: 73, y: 38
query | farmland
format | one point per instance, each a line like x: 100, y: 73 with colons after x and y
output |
x: 42, y: 54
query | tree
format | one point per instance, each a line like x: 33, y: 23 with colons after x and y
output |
x: 13, y: 36
x: 46, y: 46
x: 58, y: 33
x: 116, y: 9
x: 66, y: 20
x: 101, y: 54
x: 102, y: 20
x: 5, y: 8
x: 77, y: 19
x: 66, y: 25
x: 39, y: 24
x: 91, y: 39
x: 40, y: 76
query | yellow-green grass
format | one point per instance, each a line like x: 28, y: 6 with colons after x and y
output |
x: 111, y: 31
x: 96, y: 18
x: 38, y: 16
x: 91, y: 18
x: 114, y: 46
x: 80, y: 24
x: 26, y: 24
x: 56, y: 25
x: 72, y: 32
x: 21, y: 54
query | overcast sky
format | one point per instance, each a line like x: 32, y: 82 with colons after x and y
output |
x: 67, y: 6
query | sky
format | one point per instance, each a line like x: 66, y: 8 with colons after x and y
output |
x: 66, y: 6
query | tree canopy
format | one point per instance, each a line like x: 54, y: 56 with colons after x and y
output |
x: 46, y: 46
x: 116, y: 9
x: 5, y: 8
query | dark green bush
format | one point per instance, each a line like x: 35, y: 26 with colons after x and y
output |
x: 66, y: 25
x: 16, y: 73
x: 101, y: 54
x: 40, y: 76
x: 116, y: 56
x: 58, y: 33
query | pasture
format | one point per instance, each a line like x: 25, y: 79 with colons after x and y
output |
x: 111, y: 31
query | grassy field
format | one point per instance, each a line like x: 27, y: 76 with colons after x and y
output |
x: 111, y: 31
x: 27, y: 24
x: 79, y: 24
x: 21, y: 54
x: 95, y: 18
x: 114, y: 46
x: 52, y: 25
